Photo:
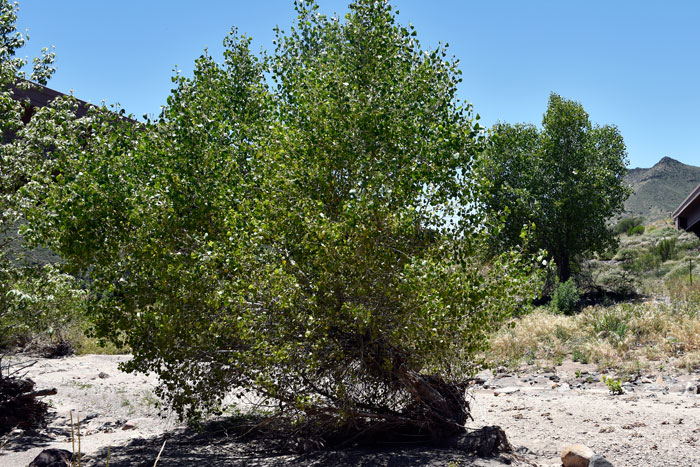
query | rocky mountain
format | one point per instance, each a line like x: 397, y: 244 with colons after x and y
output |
x: 659, y: 190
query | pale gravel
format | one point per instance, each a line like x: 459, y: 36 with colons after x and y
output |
x: 643, y: 427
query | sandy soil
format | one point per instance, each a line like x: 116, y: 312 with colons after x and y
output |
x: 656, y: 422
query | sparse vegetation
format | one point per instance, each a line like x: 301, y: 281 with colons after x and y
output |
x: 658, y: 190
x: 608, y: 336
x: 614, y: 385
x: 665, y: 325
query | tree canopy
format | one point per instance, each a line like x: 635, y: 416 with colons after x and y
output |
x: 12, y: 74
x: 31, y: 298
x: 295, y: 224
x: 563, y: 182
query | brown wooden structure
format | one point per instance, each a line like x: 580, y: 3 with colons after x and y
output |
x: 37, y: 96
x: 687, y: 215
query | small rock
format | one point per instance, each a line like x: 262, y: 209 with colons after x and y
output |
x: 103, y: 375
x: 554, y: 378
x: 504, y: 391
x: 102, y: 423
x: 564, y: 387
x: 129, y: 426
x: 692, y: 388
x: 598, y: 460
x: 53, y: 458
x: 576, y: 455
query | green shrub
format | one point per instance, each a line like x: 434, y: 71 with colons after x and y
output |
x: 607, y: 254
x: 636, y: 230
x: 611, y: 324
x: 614, y: 385
x: 627, y: 223
x: 617, y: 281
x: 688, y: 244
x: 626, y: 257
x: 579, y: 355
x: 665, y: 249
x: 646, y: 262
x: 565, y: 298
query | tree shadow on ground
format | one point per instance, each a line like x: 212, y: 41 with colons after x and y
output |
x: 23, y: 440
x: 233, y: 443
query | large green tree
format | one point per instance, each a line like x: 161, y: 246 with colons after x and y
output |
x: 562, y: 182
x: 308, y: 237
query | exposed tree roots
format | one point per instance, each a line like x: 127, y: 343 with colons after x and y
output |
x: 19, y: 406
x: 436, y: 414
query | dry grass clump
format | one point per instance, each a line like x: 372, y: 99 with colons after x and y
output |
x: 690, y: 361
x: 615, y: 336
x: 540, y: 335
x: 684, y: 295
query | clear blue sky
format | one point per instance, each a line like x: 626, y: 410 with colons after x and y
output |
x: 635, y: 64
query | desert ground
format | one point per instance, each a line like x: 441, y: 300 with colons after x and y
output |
x: 655, y: 422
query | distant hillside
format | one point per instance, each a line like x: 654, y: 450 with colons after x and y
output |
x: 658, y: 191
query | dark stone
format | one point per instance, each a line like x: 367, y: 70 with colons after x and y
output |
x: 58, y: 349
x: 53, y: 458
x: 598, y: 460
x: 489, y: 441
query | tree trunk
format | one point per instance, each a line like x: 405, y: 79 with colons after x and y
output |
x: 439, y: 407
x: 563, y: 266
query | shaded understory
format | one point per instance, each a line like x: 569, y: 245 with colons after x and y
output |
x: 253, y: 442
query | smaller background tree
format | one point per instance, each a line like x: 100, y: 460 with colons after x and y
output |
x: 563, y: 182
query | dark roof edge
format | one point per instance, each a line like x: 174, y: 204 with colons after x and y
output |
x: 39, y: 95
x: 691, y: 197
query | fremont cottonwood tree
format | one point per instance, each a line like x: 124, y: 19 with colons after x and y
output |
x: 307, y: 236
